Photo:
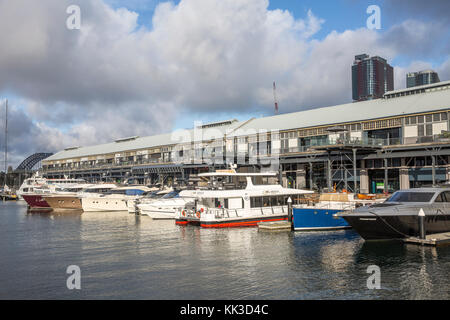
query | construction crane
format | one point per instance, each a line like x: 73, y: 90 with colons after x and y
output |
x: 275, y: 100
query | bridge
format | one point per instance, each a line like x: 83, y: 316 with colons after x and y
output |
x: 29, y: 163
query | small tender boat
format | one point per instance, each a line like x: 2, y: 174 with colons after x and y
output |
x: 7, y: 194
x: 218, y: 207
x: 320, y: 215
x: 397, y: 217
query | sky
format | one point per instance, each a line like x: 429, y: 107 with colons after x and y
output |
x: 144, y: 67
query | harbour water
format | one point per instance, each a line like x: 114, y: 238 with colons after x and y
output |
x: 123, y: 256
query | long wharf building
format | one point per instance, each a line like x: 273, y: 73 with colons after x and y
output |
x: 399, y: 141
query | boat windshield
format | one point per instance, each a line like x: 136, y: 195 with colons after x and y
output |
x: 173, y: 194
x: 96, y: 190
x: 128, y: 192
x: 400, y: 196
x: 152, y: 194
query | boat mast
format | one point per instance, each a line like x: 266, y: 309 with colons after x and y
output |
x: 6, y: 140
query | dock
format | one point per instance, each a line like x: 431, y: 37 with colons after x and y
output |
x: 275, y: 226
x: 436, y: 239
x: 7, y: 196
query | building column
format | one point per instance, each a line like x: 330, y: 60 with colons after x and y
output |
x: 301, y: 176
x: 329, y: 181
x: 363, y: 181
x: 284, y: 183
x: 404, y: 178
x: 404, y: 175
x: 386, y: 175
x: 447, y: 172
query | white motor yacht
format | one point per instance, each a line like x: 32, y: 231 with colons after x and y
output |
x: 166, y: 206
x: 70, y: 198
x: 114, y: 200
x: 146, y: 197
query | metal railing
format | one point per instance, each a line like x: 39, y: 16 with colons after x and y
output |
x: 222, y: 213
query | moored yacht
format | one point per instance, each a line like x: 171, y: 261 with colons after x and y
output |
x: 320, y: 215
x: 222, y: 207
x: 146, y: 197
x: 35, y: 189
x: 114, y: 200
x: 397, y: 217
x: 70, y: 198
x: 166, y: 206
x: 29, y: 184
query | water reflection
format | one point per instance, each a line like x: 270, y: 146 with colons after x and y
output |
x: 54, y: 214
x: 125, y: 256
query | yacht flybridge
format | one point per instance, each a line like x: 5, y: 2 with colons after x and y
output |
x: 220, y: 206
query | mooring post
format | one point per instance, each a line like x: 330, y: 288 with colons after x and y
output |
x: 289, y: 202
x: 421, y: 216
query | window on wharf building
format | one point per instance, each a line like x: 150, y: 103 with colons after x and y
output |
x: 420, y: 119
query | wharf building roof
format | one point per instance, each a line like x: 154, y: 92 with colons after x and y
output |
x: 397, y: 104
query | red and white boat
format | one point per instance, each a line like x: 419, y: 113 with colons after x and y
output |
x: 219, y: 207
x: 33, y: 189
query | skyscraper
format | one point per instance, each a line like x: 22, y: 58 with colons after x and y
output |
x: 421, y: 78
x: 371, y: 77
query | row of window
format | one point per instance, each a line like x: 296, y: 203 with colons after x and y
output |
x: 410, y: 162
x: 381, y: 124
x: 435, y: 117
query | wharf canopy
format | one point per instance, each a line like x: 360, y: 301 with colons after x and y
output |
x: 404, y: 124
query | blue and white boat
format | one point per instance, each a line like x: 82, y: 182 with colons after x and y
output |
x: 320, y: 215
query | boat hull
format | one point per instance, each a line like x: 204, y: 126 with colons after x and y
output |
x: 229, y: 223
x: 246, y: 222
x: 64, y: 203
x: 36, y: 201
x: 310, y: 219
x: 159, y: 214
x: 396, y: 226
x: 104, y: 204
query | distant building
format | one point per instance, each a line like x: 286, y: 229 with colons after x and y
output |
x: 371, y: 77
x: 414, y: 79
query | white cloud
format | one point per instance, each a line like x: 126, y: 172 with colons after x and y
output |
x: 114, y: 78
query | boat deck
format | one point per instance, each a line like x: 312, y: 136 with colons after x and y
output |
x: 436, y: 239
x: 275, y: 226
